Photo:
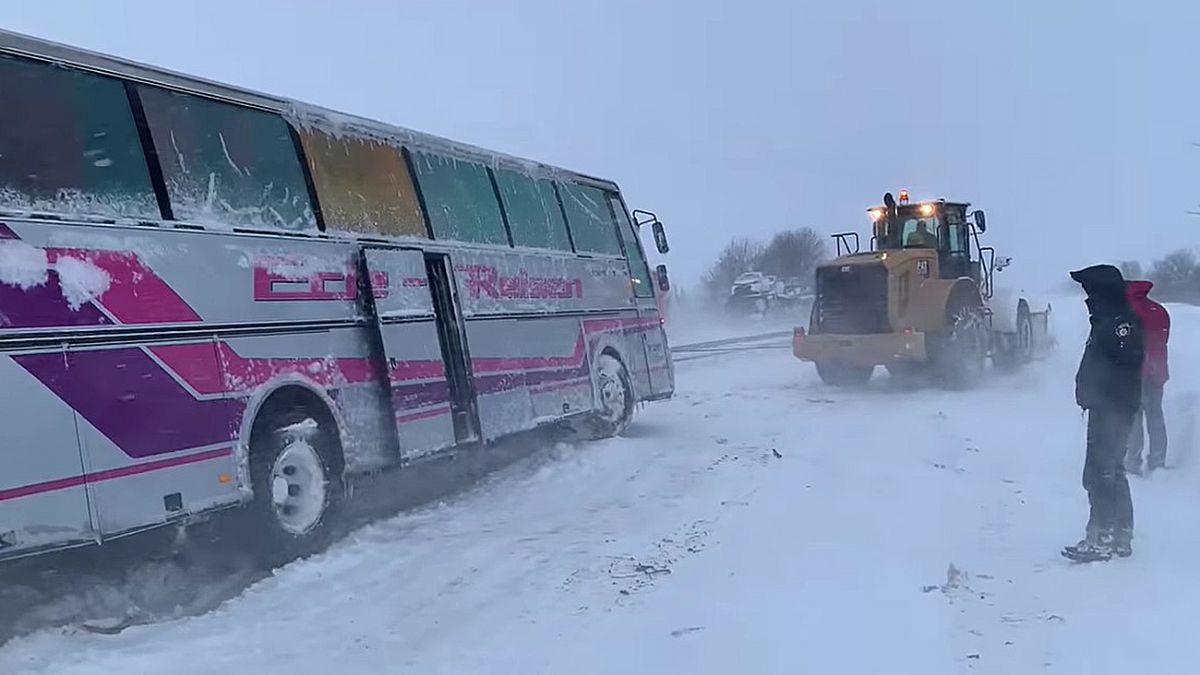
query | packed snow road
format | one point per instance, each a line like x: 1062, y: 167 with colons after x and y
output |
x: 759, y: 522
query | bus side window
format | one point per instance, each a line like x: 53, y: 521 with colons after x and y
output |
x: 227, y: 165
x: 363, y: 185
x: 591, y: 220
x: 69, y: 144
x: 534, y: 215
x: 459, y: 199
x: 639, y: 272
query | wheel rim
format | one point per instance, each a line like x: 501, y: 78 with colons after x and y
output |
x: 298, y: 487
x: 967, y: 338
x: 613, y: 392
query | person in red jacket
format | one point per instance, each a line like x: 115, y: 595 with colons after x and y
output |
x: 1156, y: 325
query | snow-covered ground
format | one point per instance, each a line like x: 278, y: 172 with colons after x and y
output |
x: 695, y: 324
x: 757, y: 523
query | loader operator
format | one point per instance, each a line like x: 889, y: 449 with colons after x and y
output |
x: 921, y: 237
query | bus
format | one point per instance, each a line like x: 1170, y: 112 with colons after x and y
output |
x: 212, y: 298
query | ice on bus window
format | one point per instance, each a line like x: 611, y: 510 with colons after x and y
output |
x: 459, y: 199
x: 69, y: 145
x: 590, y: 219
x: 534, y: 216
x: 639, y: 272
x: 227, y: 165
x: 362, y: 185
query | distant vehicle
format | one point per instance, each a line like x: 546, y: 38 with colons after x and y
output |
x: 752, y: 293
x: 923, y: 298
x: 216, y: 298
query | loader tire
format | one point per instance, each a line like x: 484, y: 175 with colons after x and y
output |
x: 962, y: 348
x: 844, y: 375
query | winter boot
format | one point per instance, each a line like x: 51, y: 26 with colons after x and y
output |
x: 1093, y: 548
x: 1122, y: 543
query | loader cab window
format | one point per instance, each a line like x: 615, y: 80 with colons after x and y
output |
x: 956, y: 255
x: 919, y: 232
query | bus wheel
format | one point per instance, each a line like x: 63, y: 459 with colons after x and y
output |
x: 297, y: 486
x: 616, y: 402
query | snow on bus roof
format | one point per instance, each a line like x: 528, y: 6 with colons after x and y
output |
x: 303, y: 114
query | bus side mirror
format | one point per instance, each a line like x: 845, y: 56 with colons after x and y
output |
x: 664, y: 282
x: 980, y: 221
x: 660, y: 237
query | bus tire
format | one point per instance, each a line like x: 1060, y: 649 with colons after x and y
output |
x: 296, y: 476
x: 615, y: 399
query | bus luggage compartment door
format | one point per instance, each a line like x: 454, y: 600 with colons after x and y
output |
x: 43, y: 492
x: 419, y: 334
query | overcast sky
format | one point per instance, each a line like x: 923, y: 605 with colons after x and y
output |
x: 1071, y: 123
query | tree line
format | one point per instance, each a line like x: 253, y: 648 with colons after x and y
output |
x: 789, y: 254
x: 1176, y: 277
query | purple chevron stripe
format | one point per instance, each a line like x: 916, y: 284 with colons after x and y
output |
x: 130, y: 399
x: 44, y: 306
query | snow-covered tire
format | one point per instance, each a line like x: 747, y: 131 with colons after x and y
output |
x: 295, y: 473
x: 906, y: 374
x: 844, y: 374
x: 962, y: 350
x: 1018, y: 347
x: 614, y: 398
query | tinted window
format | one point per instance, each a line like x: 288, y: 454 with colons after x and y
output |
x: 227, y: 165
x: 639, y: 273
x: 534, y: 216
x: 459, y: 199
x: 591, y: 221
x: 362, y: 185
x: 68, y: 144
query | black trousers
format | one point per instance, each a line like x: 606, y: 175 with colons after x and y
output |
x: 1104, y: 472
x: 1155, y: 426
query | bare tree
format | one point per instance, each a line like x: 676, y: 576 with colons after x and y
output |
x: 739, y: 255
x: 1177, y: 277
x: 1132, y: 269
x: 794, y: 254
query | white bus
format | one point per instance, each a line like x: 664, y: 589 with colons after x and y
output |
x: 211, y: 297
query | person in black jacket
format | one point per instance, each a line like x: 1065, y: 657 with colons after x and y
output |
x: 1109, y: 387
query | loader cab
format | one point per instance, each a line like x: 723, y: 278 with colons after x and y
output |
x: 938, y: 225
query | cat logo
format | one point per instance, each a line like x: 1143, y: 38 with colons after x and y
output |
x: 923, y: 268
x: 1123, y: 330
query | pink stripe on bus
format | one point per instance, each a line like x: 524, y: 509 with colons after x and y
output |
x: 112, y: 474
x: 423, y: 414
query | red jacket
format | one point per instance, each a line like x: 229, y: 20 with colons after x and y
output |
x: 1156, y: 325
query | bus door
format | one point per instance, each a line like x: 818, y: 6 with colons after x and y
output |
x: 649, y: 331
x: 409, y: 296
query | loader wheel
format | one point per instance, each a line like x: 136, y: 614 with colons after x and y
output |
x: 844, y: 375
x: 962, y: 351
x: 1019, y: 350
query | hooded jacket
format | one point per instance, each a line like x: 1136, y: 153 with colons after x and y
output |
x: 1110, y: 373
x: 1156, y: 326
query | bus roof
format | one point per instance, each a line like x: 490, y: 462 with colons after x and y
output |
x: 299, y: 113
